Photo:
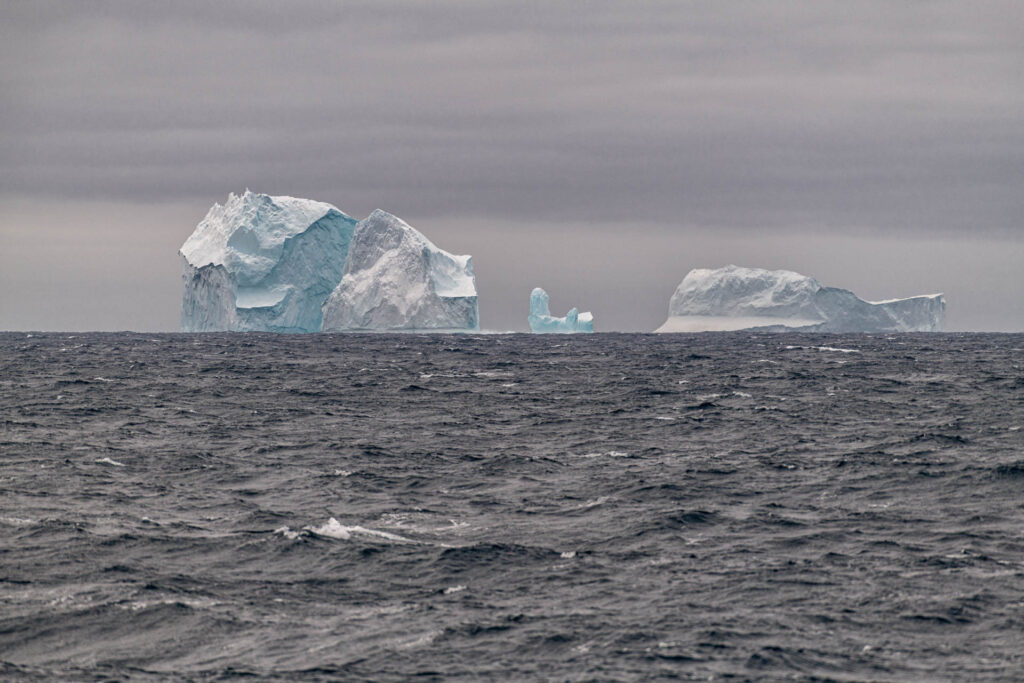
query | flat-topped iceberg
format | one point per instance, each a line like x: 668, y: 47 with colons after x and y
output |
x: 283, y: 264
x: 396, y: 279
x: 541, y: 320
x: 734, y: 298
x: 263, y: 263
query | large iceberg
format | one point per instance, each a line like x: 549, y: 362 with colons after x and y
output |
x: 734, y: 298
x: 541, y: 320
x: 396, y: 279
x: 282, y: 264
x: 263, y: 263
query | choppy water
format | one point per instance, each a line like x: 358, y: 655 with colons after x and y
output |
x: 608, y: 507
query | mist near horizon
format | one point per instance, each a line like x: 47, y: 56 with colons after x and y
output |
x: 600, y: 155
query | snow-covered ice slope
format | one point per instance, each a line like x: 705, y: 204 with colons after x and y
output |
x: 733, y: 298
x: 396, y: 279
x: 263, y: 263
x: 541, y: 320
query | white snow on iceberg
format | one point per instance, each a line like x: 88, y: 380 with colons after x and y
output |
x: 734, y: 298
x: 263, y: 263
x: 541, y: 320
x: 397, y: 280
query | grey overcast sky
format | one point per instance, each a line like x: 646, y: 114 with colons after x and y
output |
x: 598, y: 149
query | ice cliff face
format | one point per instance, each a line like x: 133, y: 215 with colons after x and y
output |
x: 541, y: 320
x: 734, y: 298
x: 396, y: 279
x: 263, y: 263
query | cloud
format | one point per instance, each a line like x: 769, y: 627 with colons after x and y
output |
x: 776, y: 114
x: 756, y: 120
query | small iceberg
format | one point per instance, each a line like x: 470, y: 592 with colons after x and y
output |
x: 542, y: 322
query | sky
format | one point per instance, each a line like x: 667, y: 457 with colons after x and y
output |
x: 597, y: 149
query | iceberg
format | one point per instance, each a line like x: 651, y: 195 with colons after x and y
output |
x: 542, y: 322
x: 735, y: 298
x: 283, y: 264
x: 396, y: 279
x: 262, y: 263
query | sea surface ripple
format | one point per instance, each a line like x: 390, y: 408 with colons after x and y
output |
x: 603, y: 507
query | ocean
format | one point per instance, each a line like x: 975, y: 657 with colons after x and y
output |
x: 730, y: 506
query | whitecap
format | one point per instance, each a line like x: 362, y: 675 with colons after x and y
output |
x: 425, y: 639
x: 110, y: 461
x: 594, y: 502
x: 493, y: 374
x: 331, y: 529
x: 454, y: 589
x: 335, y: 529
x: 16, y: 521
x: 837, y: 349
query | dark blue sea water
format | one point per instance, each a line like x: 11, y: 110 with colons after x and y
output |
x: 605, y: 507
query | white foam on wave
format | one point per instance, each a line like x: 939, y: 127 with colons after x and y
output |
x: 335, y: 529
x: 194, y: 603
x: 833, y: 349
x: 568, y: 554
x: 110, y: 461
x: 838, y: 350
x: 493, y: 374
x: 331, y: 529
x: 593, y: 502
x: 15, y: 521
x: 454, y: 589
x: 420, y: 641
